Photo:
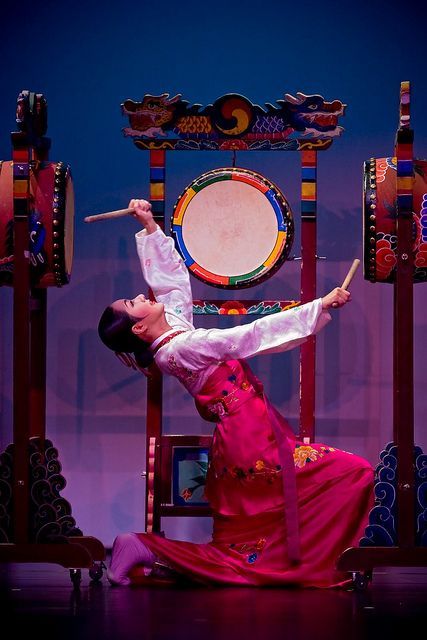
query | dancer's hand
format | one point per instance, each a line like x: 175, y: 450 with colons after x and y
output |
x: 338, y: 297
x: 143, y: 214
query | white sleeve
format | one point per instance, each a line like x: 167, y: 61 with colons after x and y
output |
x: 270, y: 334
x: 165, y: 273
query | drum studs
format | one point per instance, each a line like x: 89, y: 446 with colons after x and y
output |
x: 372, y: 250
x: 371, y: 228
x: 372, y: 217
x: 56, y: 222
x: 373, y: 206
x: 55, y: 234
x: 372, y: 240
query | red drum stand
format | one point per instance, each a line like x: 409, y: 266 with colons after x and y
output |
x: 36, y: 524
x: 397, y: 530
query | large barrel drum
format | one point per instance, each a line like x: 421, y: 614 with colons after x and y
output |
x: 380, y: 213
x: 51, y: 224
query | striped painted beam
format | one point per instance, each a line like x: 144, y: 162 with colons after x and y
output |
x: 157, y: 185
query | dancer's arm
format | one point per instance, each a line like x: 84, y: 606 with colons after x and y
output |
x: 270, y: 334
x: 162, y: 267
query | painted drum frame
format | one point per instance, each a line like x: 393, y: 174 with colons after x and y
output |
x: 379, y: 220
x: 283, y: 234
x: 51, y: 224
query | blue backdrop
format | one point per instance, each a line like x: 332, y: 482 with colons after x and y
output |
x: 86, y: 59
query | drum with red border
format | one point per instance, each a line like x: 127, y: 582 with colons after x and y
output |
x: 233, y: 227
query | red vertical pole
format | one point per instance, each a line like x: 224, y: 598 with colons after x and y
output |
x: 38, y: 365
x: 155, y: 381
x: 308, y: 291
x: 22, y: 156
x: 38, y: 346
x: 403, y: 384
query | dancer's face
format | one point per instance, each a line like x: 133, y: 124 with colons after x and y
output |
x: 140, y: 308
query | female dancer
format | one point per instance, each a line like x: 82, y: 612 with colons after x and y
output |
x: 283, y: 511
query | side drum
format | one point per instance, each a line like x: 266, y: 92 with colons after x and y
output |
x: 51, y: 224
x: 379, y: 215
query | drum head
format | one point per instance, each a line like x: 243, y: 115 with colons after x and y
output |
x: 232, y: 227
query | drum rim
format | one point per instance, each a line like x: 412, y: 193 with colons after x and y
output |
x: 258, y: 275
x: 61, y: 270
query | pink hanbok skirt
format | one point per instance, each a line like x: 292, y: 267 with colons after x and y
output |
x: 335, y: 495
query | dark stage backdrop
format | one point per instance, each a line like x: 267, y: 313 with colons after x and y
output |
x: 86, y: 58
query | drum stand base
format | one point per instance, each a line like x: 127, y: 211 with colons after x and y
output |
x: 78, y: 552
x: 74, y: 554
x: 52, y: 532
x: 388, y: 543
x: 365, y: 558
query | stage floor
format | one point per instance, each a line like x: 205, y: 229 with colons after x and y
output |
x: 40, y: 600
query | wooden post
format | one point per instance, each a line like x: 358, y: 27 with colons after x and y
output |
x: 308, y: 292
x: 22, y: 156
x: 403, y: 343
x: 155, y: 381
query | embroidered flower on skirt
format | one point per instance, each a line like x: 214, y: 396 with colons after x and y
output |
x: 259, y: 470
x: 251, y: 551
x: 304, y: 454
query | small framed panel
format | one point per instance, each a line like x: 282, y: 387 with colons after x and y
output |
x: 189, y: 469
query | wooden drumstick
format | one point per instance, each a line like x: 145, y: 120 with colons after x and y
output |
x: 349, y: 277
x: 109, y: 214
